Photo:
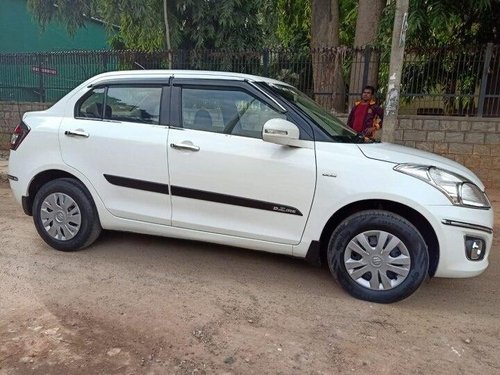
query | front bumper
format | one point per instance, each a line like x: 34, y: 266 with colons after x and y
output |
x: 455, y: 225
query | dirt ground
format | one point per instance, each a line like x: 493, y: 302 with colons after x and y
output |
x: 134, y: 304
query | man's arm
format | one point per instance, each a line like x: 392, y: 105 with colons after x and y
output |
x: 379, y: 111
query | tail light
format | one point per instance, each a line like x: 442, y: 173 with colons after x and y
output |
x: 18, y: 136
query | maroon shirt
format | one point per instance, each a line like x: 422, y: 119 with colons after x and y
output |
x: 369, y: 113
x: 359, y: 117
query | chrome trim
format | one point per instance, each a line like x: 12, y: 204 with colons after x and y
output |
x: 184, y: 146
x: 77, y: 133
x: 283, y: 109
x: 461, y: 224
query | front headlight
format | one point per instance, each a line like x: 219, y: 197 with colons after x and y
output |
x: 458, y: 189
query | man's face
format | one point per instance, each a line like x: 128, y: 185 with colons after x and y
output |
x: 366, y: 95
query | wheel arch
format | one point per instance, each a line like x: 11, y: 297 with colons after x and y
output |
x: 412, y: 215
x: 38, y: 181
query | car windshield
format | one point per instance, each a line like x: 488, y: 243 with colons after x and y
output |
x: 331, y: 125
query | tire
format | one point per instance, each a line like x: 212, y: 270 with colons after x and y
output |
x: 379, y: 243
x: 65, y: 216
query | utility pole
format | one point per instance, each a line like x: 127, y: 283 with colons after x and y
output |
x: 395, y: 69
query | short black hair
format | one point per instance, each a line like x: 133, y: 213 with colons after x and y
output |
x: 371, y: 88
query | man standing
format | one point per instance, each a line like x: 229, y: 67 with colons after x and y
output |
x: 366, y: 116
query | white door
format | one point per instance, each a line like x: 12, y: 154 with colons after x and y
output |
x: 225, y: 179
x: 122, y: 151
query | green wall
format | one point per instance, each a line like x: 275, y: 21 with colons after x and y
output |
x: 20, y: 33
x: 20, y: 77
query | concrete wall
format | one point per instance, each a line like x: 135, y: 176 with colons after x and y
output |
x: 10, y: 116
x: 474, y: 142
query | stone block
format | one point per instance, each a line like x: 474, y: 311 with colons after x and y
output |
x: 495, y: 163
x: 409, y: 144
x: 441, y: 148
x: 461, y: 148
x: 405, y: 124
x: 483, y: 174
x: 465, y: 126
x: 414, y: 135
x: 398, y: 135
x: 460, y: 159
x: 482, y: 150
x: 426, y: 146
x: 450, y: 125
x: 486, y: 162
x: 492, y: 139
x: 4, y: 141
x: 494, y: 150
x: 476, y: 138
x: 473, y: 162
x: 480, y: 126
x: 494, y: 176
x: 431, y: 125
x: 454, y: 136
x: 435, y: 136
x: 418, y: 124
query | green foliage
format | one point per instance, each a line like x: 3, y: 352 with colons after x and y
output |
x: 348, y: 15
x: 293, y: 24
x: 432, y: 26
x: 228, y: 24
x: 220, y: 24
x: 440, y: 23
x: 70, y: 13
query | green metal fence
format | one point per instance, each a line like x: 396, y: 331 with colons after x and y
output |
x: 462, y: 82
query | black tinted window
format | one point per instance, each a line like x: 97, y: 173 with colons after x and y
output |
x: 134, y: 104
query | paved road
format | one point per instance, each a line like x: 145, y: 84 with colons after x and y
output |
x: 134, y: 304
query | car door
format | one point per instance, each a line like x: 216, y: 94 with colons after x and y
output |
x: 224, y: 178
x: 117, y: 138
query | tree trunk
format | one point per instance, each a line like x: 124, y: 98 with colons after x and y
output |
x: 329, y: 90
x: 167, y: 34
x: 364, y: 69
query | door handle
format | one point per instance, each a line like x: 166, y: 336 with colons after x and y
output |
x: 184, y: 146
x: 76, y: 133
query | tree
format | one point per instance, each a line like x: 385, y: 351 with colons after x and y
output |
x: 141, y: 23
x: 327, y: 58
x: 368, y: 18
x: 441, y: 34
x: 151, y: 25
x: 293, y: 26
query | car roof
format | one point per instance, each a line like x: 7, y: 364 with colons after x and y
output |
x: 199, y: 74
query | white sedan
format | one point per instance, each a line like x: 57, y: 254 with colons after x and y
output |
x: 250, y: 162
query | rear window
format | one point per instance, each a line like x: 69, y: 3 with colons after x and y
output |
x: 122, y: 103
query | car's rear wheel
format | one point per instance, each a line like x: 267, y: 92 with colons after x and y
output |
x: 378, y: 256
x: 65, y: 215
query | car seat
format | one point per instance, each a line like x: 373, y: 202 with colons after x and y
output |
x: 202, y: 120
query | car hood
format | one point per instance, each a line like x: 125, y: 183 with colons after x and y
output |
x: 397, y: 154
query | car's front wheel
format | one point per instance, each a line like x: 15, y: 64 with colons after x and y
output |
x: 378, y: 256
x: 65, y: 215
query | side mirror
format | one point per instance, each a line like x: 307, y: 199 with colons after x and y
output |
x: 282, y: 132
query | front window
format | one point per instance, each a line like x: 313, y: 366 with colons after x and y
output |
x: 228, y: 111
x: 331, y: 125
